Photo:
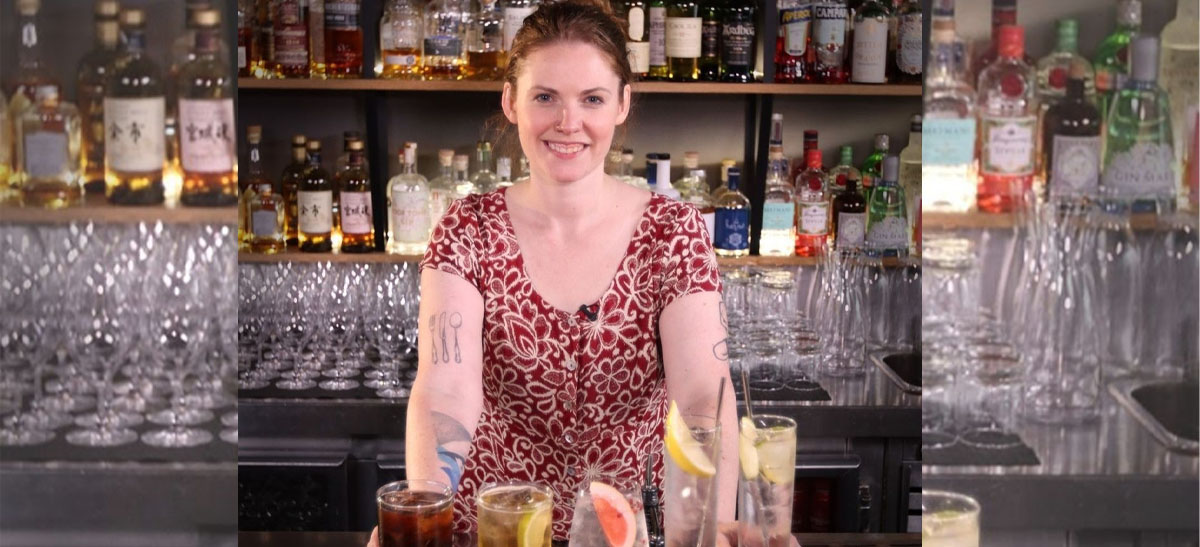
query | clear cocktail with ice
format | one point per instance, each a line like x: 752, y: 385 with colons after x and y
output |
x: 767, y: 462
x: 608, y: 513
x: 949, y: 520
x: 693, y: 446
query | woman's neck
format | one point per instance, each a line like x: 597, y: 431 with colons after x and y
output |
x: 568, y: 203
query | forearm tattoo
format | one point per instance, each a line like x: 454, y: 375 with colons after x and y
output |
x: 721, y: 348
x: 448, y: 431
x: 439, y: 324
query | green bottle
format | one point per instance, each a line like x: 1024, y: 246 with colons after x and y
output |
x: 710, y: 40
x: 887, y: 219
x: 1138, y: 155
x: 1112, y: 57
x: 871, y: 168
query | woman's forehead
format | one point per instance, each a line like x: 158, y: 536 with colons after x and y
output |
x: 565, y: 66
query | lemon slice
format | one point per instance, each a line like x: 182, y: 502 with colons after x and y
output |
x: 687, y: 453
x: 777, y: 460
x: 531, y: 531
x: 747, y: 454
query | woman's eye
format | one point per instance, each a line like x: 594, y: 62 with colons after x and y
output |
x: 594, y: 100
x: 542, y: 98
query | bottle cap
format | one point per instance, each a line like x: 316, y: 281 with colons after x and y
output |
x: 107, y: 9
x: 207, y: 18
x: 1129, y: 13
x: 691, y: 160
x: 812, y: 159
x: 847, y: 154
x: 1143, y: 63
x: 484, y: 146
x: 28, y: 8
x: 299, y: 140
x: 355, y: 145
x: 445, y: 156
x: 891, y: 168
x: 254, y: 134
x: 314, y: 146
x: 1010, y: 41
x: 1004, y: 4
x: 914, y: 123
x: 627, y: 156
x: 810, y: 135
x: 133, y: 17
x: 460, y: 162
x: 1068, y: 35
x: 882, y: 141
x: 410, y: 153
x: 775, y: 155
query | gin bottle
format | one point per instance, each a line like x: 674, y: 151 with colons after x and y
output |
x: 1112, y: 55
x: 1178, y: 68
x: 843, y: 171
x: 872, y: 166
x: 1138, y: 156
x: 314, y: 200
x: 1004, y: 12
x: 134, y: 121
x: 812, y: 207
x: 400, y: 33
x: 830, y: 18
x: 869, y: 54
x: 658, y: 175
x: 887, y: 225
x: 442, y: 49
x: 264, y: 207
x: 354, y: 204
x: 442, y: 187
x: 463, y: 186
x: 1054, y: 68
x: 910, y: 169
x: 909, y: 43
x: 408, y: 211
x: 485, y: 43
x: 1071, y: 141
x: 683, y: 39
x: 778, y: 236
x: 289, y: 185
x: 208, y: 147
x: 484, y: 180
x: 94, y: 71
x: 849, y: 218
x: 793, y: 41
x: 948, y: 132
x: 48, y: 152
x: 733, y: 219
x: 1007, y: 125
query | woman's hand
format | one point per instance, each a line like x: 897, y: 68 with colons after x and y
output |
x: 727, y: 536
x: 374, y: 541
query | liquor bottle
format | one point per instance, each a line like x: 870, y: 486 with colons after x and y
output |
x: 843, y: 171
x: 290, y: 34
x: 1138, y: 156
x: 1004, y: 12
x: 503, y: 172
x: 829, y: 41
x: 314, y: 200
x: 910, y: 168
x: 265, y: 209
x: 872, y: 166
x: 775, y: 143
x: 1179, y: 65
x: 948, y: 133
x: 1112, y: 55
x: 408, y: 209
x: 94, y: 70
x: 869, y: 53
x: 633, y: 12
x: 354, y: 191
x: 262, y: 50
x: 183, y: 48
x: 887, y: 224
x: 524, y: 163
x: 811, y: 142
x: 1007, y: 122
x: 778, y: 235
x: 485, y: 43
x: 463, y: 186
x: 658, y: 175
x: 720, y: 189
x: 6, y: 150
x: 849, y: 218
x: 812, y: 207
x: 791, y: 46
x: 442, y: 50
x: 316, y: 42
x: 134, y: 121
x: 400, y: 32
x: 32, y: 72
x: 1052, y: 69
x: 343, y: 39
x: 289, y: 186
x: 659, y: 69
x: 208, y: 147
x: 693, y: 189
x: 1071, y: 140
x: 442, y: 188
x: 343, y: 160
x: 683, y: 38
x: 515, y: 12
x: 484, y: 180
x: 248, y: 185
x: 738, y: 42
x: 626, y: 171
x: 245, y: 36
x: 733, y: 219
x: 710, y: 41
x: 48, y: 152
x: 909, y: 43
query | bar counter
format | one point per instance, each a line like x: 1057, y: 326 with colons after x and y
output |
x: 358, y: 539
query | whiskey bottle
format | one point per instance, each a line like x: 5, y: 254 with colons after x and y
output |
x: 485, y: 43
x: 710, y: 41
x: 263, y: 207
x: 515, y: 12
x: 408, y: 209
x: 1178, y: 72
x: 484, y: 180
x: 262, y: 50
x: 1071, y: 141
x: 6, y: 151
x: 829, y: 41
x: 869, y: 53
x: 31, y: 74
x: 134, y: 121
x: 314, y: 200
x: 683, y: 39
x: 94, y: 71
x: 849, y: 218
x: 354, y: 207
x: 400, y: 33
x: 657, y: 12
x: 738, y: 41
x: 442, y: 49
x: 733, y: 219
x: 812, y: 207
x: 778, y: 235
x: 907, y: 55
x: 887, y: 225
x: 245, y: 36
x: 441, y: 188
x: 293, y: 177
x: 207, y: 143
x: 48, y: 152
x: 463, y: 186
x: 248, y: 185
x: 183, y: 48
x: 290, y: 35
x: 633, y: 13
x: 343, y: 39
x: 316, y: 38
x: 792, y: 43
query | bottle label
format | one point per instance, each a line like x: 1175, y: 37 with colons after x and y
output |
x: 658, y: 36
x: 45, y: 155
x: 513, y: 19
x: 795, y: 24
x: 908, y: 44
x: 316, y: 211
x: 264, y: 223
x: 1008, y: 145
x: 814, y: 218
x: 400, y: 60
x: 637, y: 24
x: 888, y: 233
x: 410, y: 217
x: 1076, y: 169
x: 947, y: 141
x: 439, y: 200
x: 341, y: 14
x: 778, y: 216
x: 738, y: 43
x: 291, y: 36
x: 710, y: 224
x: 355, y: 211
x: 683, y: 37
x: 733, y: 229
x: 206, y: 139
x: 241, y: 57
x: 135, y: 140
x: 829, y: 33
x: 639, y: 57
x: 443, y: 46
x: 851, y: 229
x: 1144, y: 169
x: 870, y: 51
x: 710, y: 39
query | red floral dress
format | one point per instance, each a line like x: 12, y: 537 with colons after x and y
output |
x: 566, y: 396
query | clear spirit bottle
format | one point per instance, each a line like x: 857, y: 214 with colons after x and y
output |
x: 887, y: 225
x: 515, y: 12
x: 289, y: 52
x: 657, y: 13
x: 48, y: 152
x: 485, y: 43
x: 463, y: 186
x: 264, y: 207
x: 906, y: 58
x: 1112, y: 55
x: 829, y: 21
x: 910, y: 170
x: 484, y: 180
x: 778, y: 235
x: 626, y: 171
x: 207, y: 145
x: 843, y: 171
x: 733, y: 219
x: 869, y: 54
x: 503, y: 172
x: 812, y: 207
x: 1138, y: 156
x: 293, y: 177
x: 343, y: 39
x: 134, y: 121
x: 633, y: 14
x: 94, y: 71
x: 683, y: 39
x: 793, y: 41
x: 354, y: 204
x: 849, y: 218
x: 872, y: 166
x: 400, y: 34
x: 1052, y: 70
x: 445, y: 29
x: 408, y: 210
x: 1007, y: 107
x: 314, y: 200
x: 1178, y: 70
x: 442, y: 189
x: 948, y: 130
x: 1071, y: 141
x: 693, y: 189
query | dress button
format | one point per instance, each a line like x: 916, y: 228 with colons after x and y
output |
x: 570, y: 364
x: 569, y: 405
x: 570, y: 470
x: 568, y: 438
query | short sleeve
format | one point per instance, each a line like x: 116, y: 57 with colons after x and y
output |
x: 455, y: 242
x: 690, y: 263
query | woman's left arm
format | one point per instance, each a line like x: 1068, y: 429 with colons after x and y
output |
x: 693, y: 331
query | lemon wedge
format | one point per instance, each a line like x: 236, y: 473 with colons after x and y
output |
x: 747, y: 454
x: 531, y: 531
x: 777, y: 460
x: 685, y: 450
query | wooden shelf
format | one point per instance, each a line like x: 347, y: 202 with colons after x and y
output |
x: 97, y: 209
x: 293, y: 255
x: 372, y: 84
x: 931, y: 222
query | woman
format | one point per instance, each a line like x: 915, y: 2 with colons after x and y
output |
x: 546, y: 308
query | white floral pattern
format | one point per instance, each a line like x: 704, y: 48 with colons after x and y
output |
x: 565, y: 397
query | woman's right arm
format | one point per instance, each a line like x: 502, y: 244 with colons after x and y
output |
x: 447, y: 396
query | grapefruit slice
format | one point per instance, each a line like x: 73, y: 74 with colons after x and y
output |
x: 615, y: 515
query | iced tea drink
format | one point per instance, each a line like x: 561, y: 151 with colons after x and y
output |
x: 415, y: 514
x: 514, y: 514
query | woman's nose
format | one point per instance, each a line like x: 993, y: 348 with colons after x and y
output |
x: 569, y: 121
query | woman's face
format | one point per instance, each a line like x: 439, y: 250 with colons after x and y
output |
x: 566, y: 106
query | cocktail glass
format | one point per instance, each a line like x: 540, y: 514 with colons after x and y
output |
x: 514, y: 513
x: 767, y: 456
x: 608, y: 513
x: 415, y: 514
x: 949, y: 520
x: 693, y: 446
